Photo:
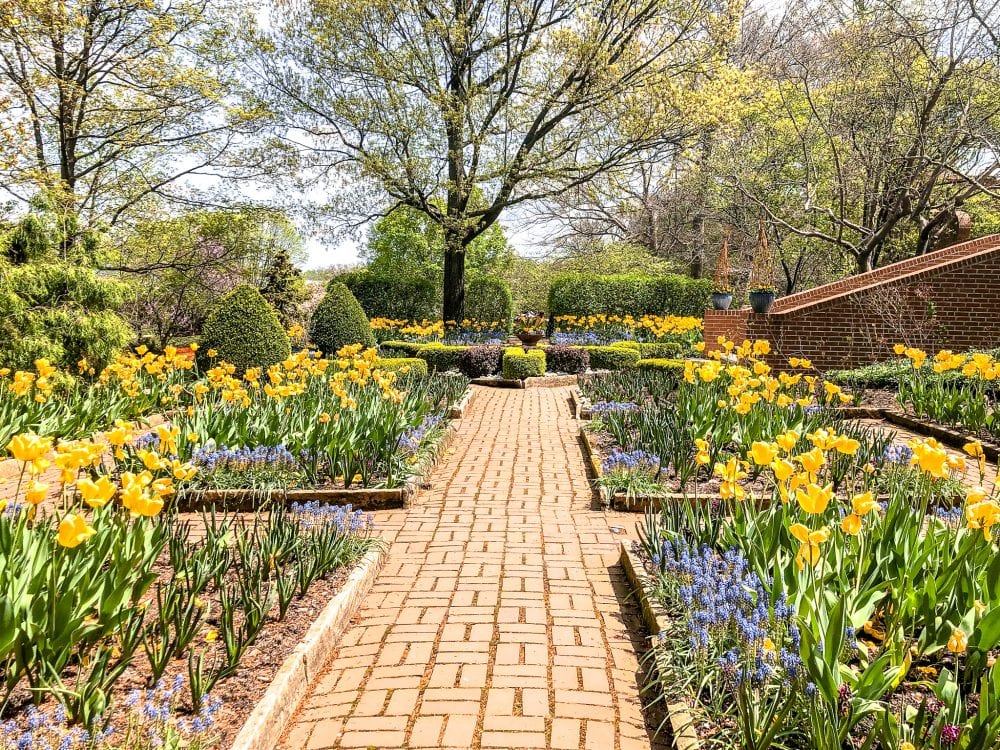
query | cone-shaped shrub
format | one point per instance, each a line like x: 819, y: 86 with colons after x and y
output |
x: 339, y: 321
x: 244, y: 330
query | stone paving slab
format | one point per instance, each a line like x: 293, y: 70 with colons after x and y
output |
x: 501, y: 618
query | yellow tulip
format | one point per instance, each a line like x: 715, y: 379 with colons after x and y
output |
x: 847, y: 446
x: 863, y: 504
x: 788, y: 440
x: 782, y: 469
x: 812, y: 461
x: 36, y: 492
x: 763, y: 453
x: 74, y: 530
x: 851, y: 524
x: 96, y: 494
x: 958, y: 642
x: 809, y: 550
x: 29, y: 446
x: 814, y: 499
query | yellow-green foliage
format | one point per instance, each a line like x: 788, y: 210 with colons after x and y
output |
x: 519, y: 364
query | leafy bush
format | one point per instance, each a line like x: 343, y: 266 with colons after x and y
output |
x: 440, y: 357
x: 569, y: 359
x: 519, y: 364
x: 404, y: 365
x: 244, y: 330
x: 395, y: 297
x: 399, y: 348
x: 488, y: 299
x: 481, y: 361
x: 339, y: 321
x: 53, y: 308
x: 612, y: 357
x: 628, y: 294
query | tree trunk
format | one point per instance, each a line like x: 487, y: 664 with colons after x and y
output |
x: 454, y: 280
x: 864, y: 261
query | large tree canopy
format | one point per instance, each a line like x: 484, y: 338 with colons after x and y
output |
x: 463, y: 109
x: 108, y: 103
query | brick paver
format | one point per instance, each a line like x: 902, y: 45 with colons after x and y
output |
x: 501, y: 618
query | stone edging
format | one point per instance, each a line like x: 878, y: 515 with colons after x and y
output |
x: 298, y: 673
x: 458, y: 410
x: 681, y: 724
x: 581, y: 404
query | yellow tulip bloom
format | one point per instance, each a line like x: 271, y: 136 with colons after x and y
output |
x: 29, y: 447
x: 958, y: 642
x: 74, y: 530
x: 782, y: 469
x: 812, y: 461
x: 863, y: 504
x: 763, y: 453
x: 96, y: 494
x: 851, y: 524
x: 809, y: 550
x: 36, y: 492
x: 788, y: 440
x: 814, y: 499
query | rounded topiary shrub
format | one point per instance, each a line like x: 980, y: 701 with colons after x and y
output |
x: 481, y: 361
x: 571, y: 360
x: 244, y: 330
x: 519, y: 364
x: 339, y: 321
x: 613, y: 357
x: 441, y: 357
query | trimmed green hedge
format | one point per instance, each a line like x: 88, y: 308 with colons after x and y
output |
x: 396, y: 297
x: 613, y: 357
x: 244, y: 330
x: 628, y: 294
x: 339, y: 321
x: 410, y: 365
x: 395, y: 349
x: 519, y: 364
x: 488, y: 299
x: 440, y: 357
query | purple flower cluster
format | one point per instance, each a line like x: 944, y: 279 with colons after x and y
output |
x: 897, y: 454
x: 470, y: 338
x: 412, y: 439
x: 582, y: 338
x: 612, y: 407
x: 149, y: 712
x: 244, y: 459
x: 630, y: 461
x: 728, y: 605
x: 347, y: 520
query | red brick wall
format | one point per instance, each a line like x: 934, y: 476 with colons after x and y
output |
x: 949, y: 299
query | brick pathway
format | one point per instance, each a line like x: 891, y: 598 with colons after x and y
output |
x: 501, y: 618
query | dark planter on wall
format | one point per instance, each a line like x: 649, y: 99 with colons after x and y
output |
x: 721, y: 300
x: 761, y: 301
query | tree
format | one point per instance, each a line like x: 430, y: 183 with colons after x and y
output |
x: 118, y: 101
x: 55, y: 307
x: 881, y: 116
x: 407, y: 242
x: 464, y: 109
x: 284, y: 288
x: 181, y: 265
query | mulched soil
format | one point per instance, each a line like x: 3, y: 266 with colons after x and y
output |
x: 241, y: 691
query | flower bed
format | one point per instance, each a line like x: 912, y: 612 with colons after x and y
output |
x: 818, y: 621
x: 657, y: 434
x: 591, y: 330
x: 108, y: 596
